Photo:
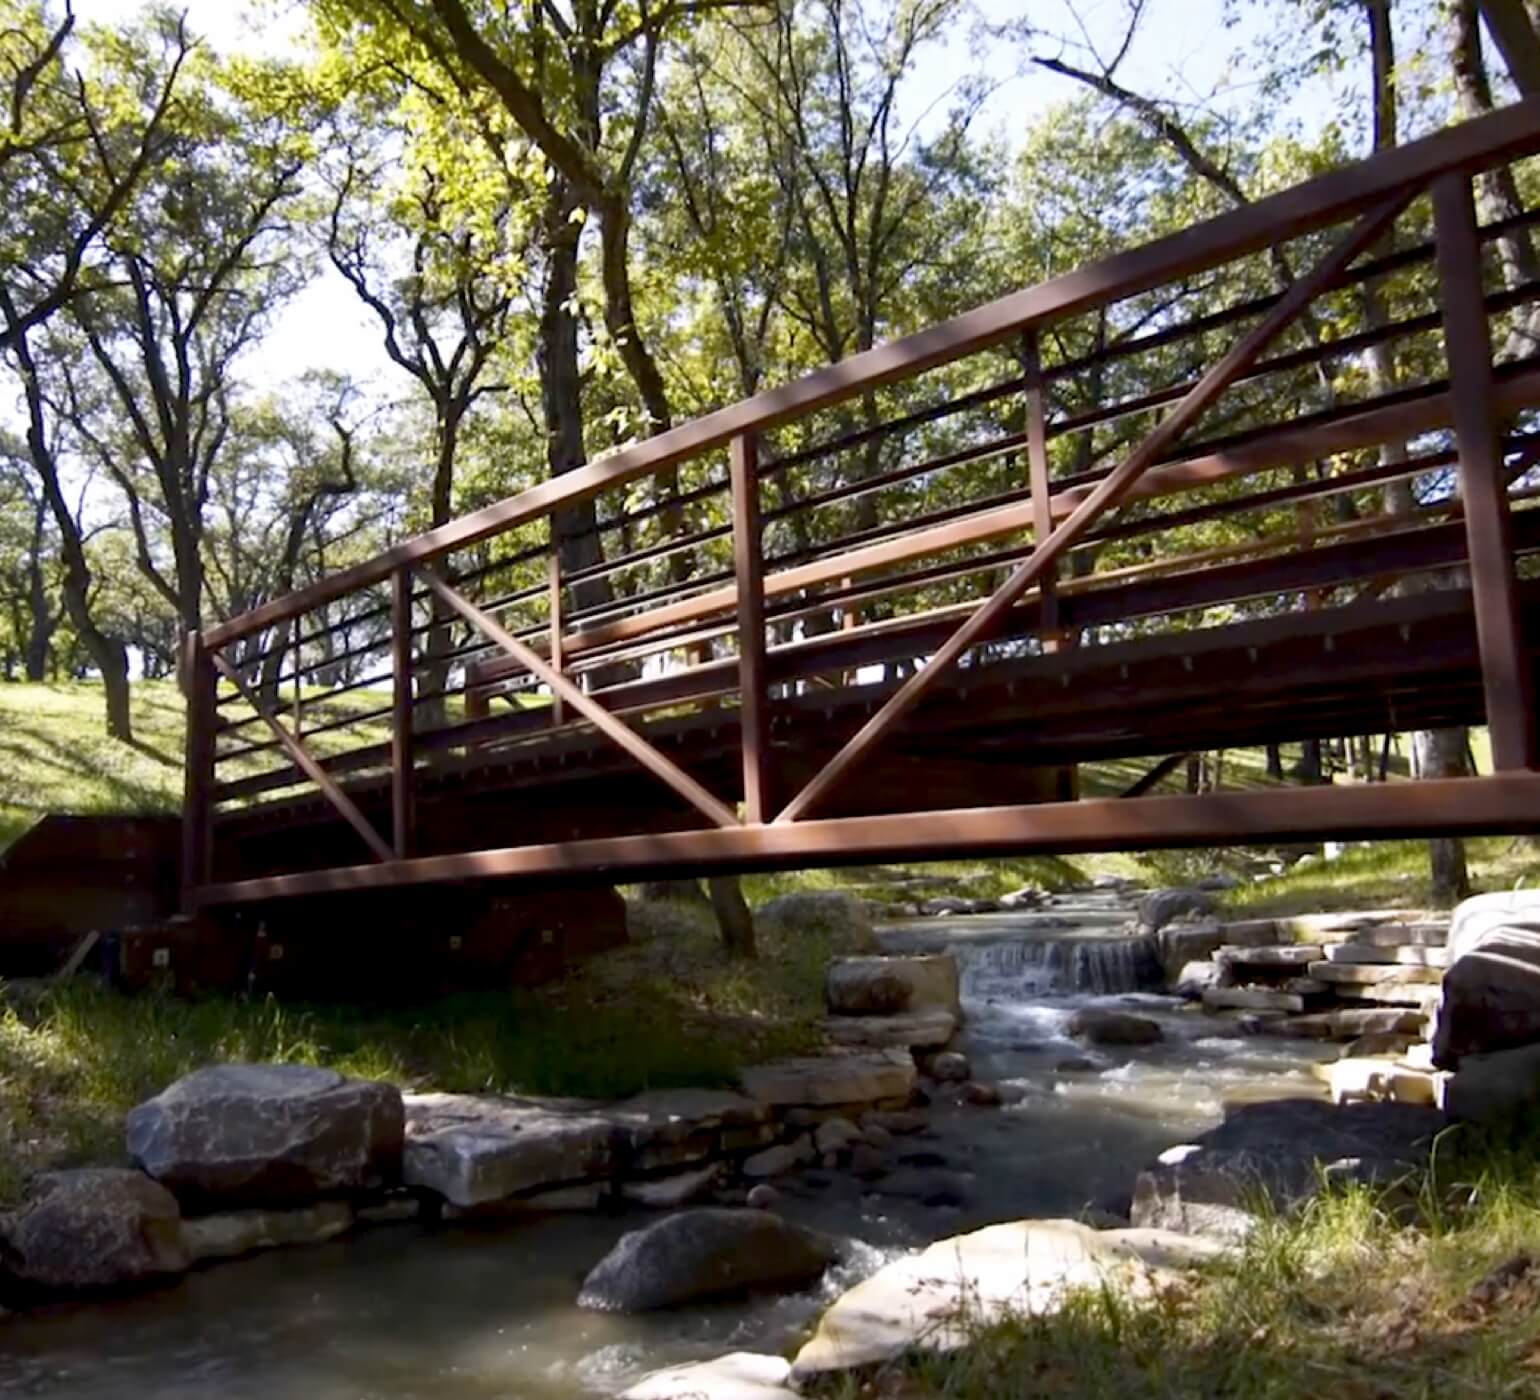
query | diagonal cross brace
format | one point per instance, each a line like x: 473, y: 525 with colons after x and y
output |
x: 307, y: 764
x: 1240, y: 357
x: 616, y: 730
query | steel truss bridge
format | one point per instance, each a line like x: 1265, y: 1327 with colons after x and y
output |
x: 886, y: 610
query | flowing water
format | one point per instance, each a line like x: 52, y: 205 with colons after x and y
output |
x: 462, y: 1314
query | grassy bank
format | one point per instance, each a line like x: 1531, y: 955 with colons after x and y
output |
x: 666, y: 1010
x: 1363, y: 1296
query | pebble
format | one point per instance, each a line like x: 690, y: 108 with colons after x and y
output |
x: 982, y: 1095
x: 949, y: 1067
x: 764, y: 1197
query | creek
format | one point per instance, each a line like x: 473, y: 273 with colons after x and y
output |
x: 459, y: 1313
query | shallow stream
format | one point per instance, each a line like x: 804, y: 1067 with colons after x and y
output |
x: 401, y: 1312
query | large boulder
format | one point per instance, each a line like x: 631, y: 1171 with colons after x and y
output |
x: 939, y: 1299
x: 268, y: 1134
x: 840, y: 917
x: 1103, y: 1027
x: 705, y: 1254
x: 1162, y: 907
x: 1492, y: 987
x: 90, y: 1230
x: 1490, y: 1088
x: 1281, y: 1150
x: 882, y: 986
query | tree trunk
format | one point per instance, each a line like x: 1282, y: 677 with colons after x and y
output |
x: 685, y: 891
x: 1275, y: 763
x: 1440, y: 753
x: 734, y: 920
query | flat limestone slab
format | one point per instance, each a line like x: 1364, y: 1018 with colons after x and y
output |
x: 1382, y: 1081
x: 936, y: 1299
x: 1348, y: 1023
x: 1423, y: 995
x: 1414, y: 935
x: 474, y: 1149
x: 1366, y: 974
x: 1277, y: 955
x: 908, y: 1029
x: 1251, y: 999
x: 815, y: 1080
x: 743, y: 1375
x: 1359, y: 924
x: 1411, y: 955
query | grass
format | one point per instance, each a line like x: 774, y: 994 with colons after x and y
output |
x: 661, y: 1012
x: 1362, y: 1295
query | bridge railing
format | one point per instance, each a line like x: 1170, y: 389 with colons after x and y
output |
x: 996, y: 487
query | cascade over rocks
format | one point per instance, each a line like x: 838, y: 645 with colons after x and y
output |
x: 268, y: 1134
x: 1492, y: 987
x: 93, y: 1229
x: 1103, y: 1027
x: 705, y: 1254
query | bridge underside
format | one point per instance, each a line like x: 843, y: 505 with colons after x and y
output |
x: 986, y: 766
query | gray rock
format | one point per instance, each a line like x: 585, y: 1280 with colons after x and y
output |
x: 937, y: 1188
x: 1103, y: 1027
x: 476, y: 1149
x: 982, y: 1095
x: 1181, y: 944
x: 1489, y: 1088
x: 901, y: 1122
x: 870, y: 986
x: 671, y: 1192
x: 1492, y: 987
x: 741, y: 1376
x: 245, y: 1231
x: 701, y: 1254
x: 1162, y: 907
x: 764, y: 1197
x: 268, y: 1134
x: 917, y: 1030
x: 836, y: 1135
x: 1195, y: 978
x: 877, y: 1136
x: 949, y: 1067
x: 90, y: 1230
x: 841, y: 917
x: 782, y: 1158
x: 1075, y: 1064
x: 832, y: 1079
x: 1278, y: 1150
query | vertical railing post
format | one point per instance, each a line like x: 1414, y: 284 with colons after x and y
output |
x: 198, y: 687
x: 749, y: 568
x: 558, y: 710
x: 402, y: 787
x: 1488, y: 527
x: 1037, y: 481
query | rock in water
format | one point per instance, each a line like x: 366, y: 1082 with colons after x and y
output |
x: 98, y: 1228
x: 939, y: 1299
x: 704, y: 1254
x: 1113, y: 1027
x: 743, y: 1375
x: 268, y: 1134
x: 881, y: 986
x: 1492, y: 988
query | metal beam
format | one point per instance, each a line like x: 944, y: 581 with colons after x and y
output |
x: 615, y: 730
x: 1454, y: 806
x: 1363, y: 235
x: 402, y: 759
x: 753, y: 687
x: 1489, y: 528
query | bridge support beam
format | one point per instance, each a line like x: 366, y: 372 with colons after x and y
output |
x: 749, y: 567
x: 1488, y: 523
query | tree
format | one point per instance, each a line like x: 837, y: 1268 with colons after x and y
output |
x: 79, y: 145
x: 197, y: 266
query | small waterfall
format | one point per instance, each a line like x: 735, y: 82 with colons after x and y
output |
x: 1026, y: 970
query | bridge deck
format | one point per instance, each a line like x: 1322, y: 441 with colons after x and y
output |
x: 886, y: 610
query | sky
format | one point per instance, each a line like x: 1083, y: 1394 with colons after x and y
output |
x: 325, y: 326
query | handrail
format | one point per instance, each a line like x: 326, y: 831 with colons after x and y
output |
x: 1471, y: 147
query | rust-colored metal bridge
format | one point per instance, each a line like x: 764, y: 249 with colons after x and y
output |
x: 886, y: 610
